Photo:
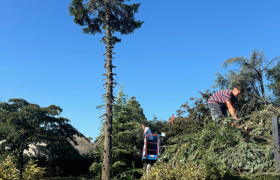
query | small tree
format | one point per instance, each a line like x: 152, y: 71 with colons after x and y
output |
x: 23, y: 123
x: 111, y: 16
x: 128, y: 139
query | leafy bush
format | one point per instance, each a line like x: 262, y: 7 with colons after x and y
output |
x: 181, y: 127
x: 169, y: 171
x: 9, y: 171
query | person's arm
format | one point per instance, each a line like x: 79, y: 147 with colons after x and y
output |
x: 144, y: 133
x: 231, y: 109
x: 233, y: 105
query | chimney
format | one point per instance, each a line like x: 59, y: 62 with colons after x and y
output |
x: 171, y: 119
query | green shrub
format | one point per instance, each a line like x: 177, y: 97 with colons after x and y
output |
x: 9, y: 171
x: 168, y: 171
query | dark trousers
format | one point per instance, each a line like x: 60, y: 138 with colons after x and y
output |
x: 217, y: 111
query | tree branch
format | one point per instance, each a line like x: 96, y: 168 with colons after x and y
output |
x: 254, y: 87
x: 251, y: 67
x: 270, y: 62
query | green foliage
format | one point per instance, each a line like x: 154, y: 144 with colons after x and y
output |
x: 93, y: 14
x: 170, y: 171
x: 250, y: 76
x: 9, y: 171
x: 223, y: 151
x: 96, y: 169
x: 181, y: 127
x: 156, y: 126
x: 198, y: 113
x: 273, y: 76
x: 127, y: 142
x: 23, y: 123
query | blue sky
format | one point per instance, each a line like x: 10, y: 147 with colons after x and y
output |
x: 46, y: 59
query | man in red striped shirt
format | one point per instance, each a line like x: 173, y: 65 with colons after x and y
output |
x: 221, y: 100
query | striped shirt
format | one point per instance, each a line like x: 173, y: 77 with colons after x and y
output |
x: 222, y: 96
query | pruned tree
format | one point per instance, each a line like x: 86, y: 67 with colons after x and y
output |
x: 109, y: 16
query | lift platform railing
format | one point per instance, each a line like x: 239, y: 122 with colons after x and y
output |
x: 151, y: 149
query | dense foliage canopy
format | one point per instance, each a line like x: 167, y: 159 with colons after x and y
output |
x: 23, y: 124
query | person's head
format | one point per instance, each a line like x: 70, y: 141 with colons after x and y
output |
x: 236, y: 90
x: 143, y: 126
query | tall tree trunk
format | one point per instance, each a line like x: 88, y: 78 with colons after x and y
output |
x: 20, y: 164
x: 107, y: 160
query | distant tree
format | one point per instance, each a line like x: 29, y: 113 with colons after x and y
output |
x: 23, y: 123
x: 156, y: 125
x: 89, y: 138
x: 111, y: 16
x: 190, y: 118
x: 198, y: 110
x: 273, y: 76
x: 250, y: 76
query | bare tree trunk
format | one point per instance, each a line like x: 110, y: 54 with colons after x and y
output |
x: 20, y: 164
x: 107, y: 159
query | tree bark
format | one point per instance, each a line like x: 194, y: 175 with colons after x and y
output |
x: 107, y: 159
x: 21, y: 164
x: 262, y: 86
